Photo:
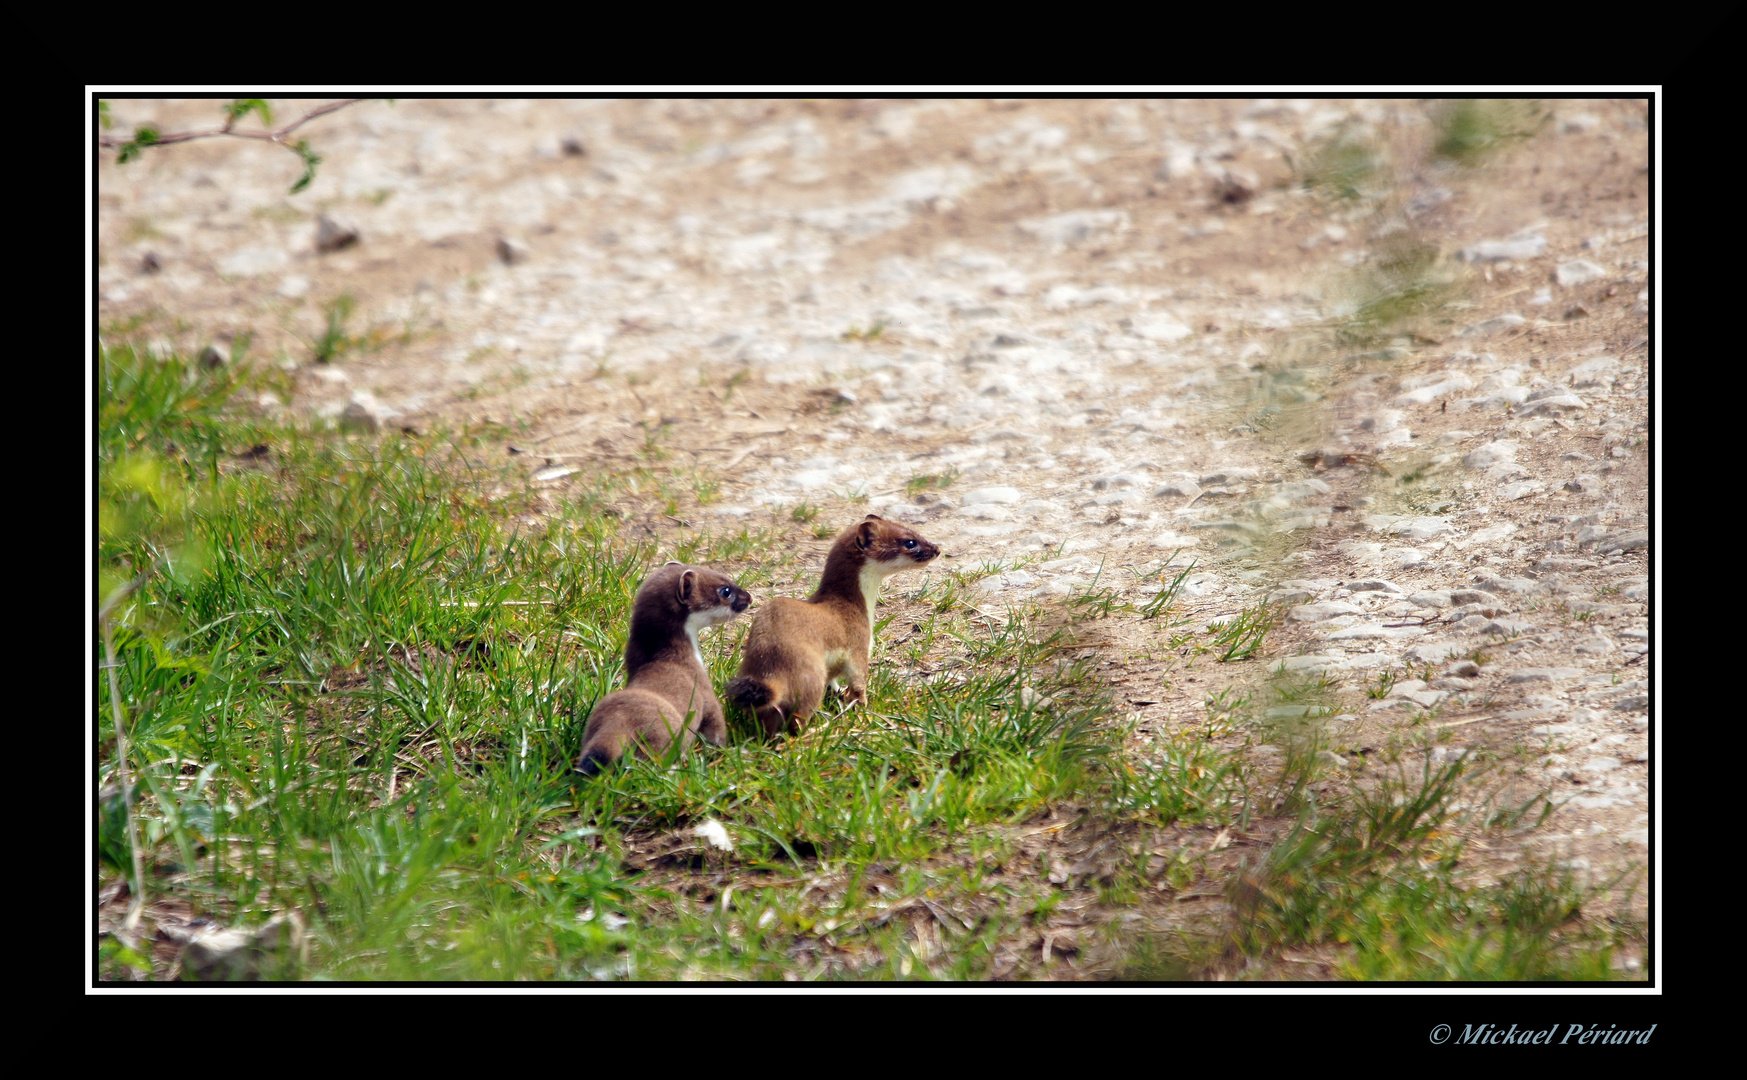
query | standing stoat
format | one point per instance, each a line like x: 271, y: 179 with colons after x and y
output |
x: 668, y: 692
x: 797, y: 646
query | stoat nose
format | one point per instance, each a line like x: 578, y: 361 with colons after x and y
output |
x: 742, y: 602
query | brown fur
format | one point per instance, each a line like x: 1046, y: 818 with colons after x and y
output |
x: 797, y: 646
x: 667, y: 693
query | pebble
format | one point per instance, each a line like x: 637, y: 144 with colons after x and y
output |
x: 1592, y: 372
x: 333, y: 234
x: 1578, y: 272
x: 216, y: 355
x: 1554, y: 405
x: 1435, y: 599
x: 1509, y: 628
x: 1373, y: 631
x: 1494, y: 325
x: 365, y: 413
x: 1367, y: 661
x: 1492, y: 534
x: 1563, y: 565
x: 1525, y: 586
x: 1326, y: 610
x: 986, y: 512
x: 1520, y: 490
x: 1508, y: 395
x: 1464, y: 597
x: 1005, y: 495
x: 1521, y: 247
x: 1418, y: 528
x: 1528, y: 675
x: 1426, y: 394
x: 1076, y: 226
x: 1165, y: 329
x: 1229, y: 475
x: 1374, y: 585
x: 1118, y: 480
x: 1187, y: 489
x: 1493, y: 453
x: 1312, y: 665
x: 1634, y: 540
x: 1011, y: 579
x: 1535, y: 713
x: 512, y: 250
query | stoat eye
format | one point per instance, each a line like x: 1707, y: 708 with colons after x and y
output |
x: 909, y: 543
x: 724, y: 592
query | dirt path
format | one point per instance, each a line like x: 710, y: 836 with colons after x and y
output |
x: 1098, y: 333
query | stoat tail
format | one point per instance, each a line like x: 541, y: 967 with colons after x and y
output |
x: 748, y: 692
x: 594, y: 760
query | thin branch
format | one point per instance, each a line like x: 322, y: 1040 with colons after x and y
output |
x: 115, y: 142
x: 148, y: 136
x: 313, y: 113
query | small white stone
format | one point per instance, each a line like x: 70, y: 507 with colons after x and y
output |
x: 1578, y: 272
x: 715, y: 834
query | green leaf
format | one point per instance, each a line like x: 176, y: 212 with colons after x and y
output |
x: 310, y: 160
x: 242, y: 107
x: 142, y: 138
x: 103, y: 116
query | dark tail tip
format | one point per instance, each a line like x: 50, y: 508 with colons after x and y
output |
x: 748, y: 692
x: 593, y: 762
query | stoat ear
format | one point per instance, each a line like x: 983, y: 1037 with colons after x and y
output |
x: 864, y: 536
x: 687, y: 584
x: 673, y: 562
x: 873, y: 517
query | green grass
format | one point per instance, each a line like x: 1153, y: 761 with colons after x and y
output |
x: 354, y: 679
x: 924, y: 481
x: 1239, y: 636
x: 1469, y: 131
x: 1346, y: 166
x: 1375, y: 879
x: 362, y: 699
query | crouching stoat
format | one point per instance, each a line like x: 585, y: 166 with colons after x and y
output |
x: 797, y: 646
x: 668, y: 694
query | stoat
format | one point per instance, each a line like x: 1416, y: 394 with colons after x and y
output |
x: 668, y: 693
x: 797, y: 646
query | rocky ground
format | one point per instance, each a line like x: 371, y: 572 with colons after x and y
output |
x: 1408, y: 402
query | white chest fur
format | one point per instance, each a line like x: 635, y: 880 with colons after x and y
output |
x: 698, y: 620
x: 873, y: 574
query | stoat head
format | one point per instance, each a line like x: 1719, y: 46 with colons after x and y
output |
x: 678, y: 599
x: 888, y: 547
x: 705, y: 597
